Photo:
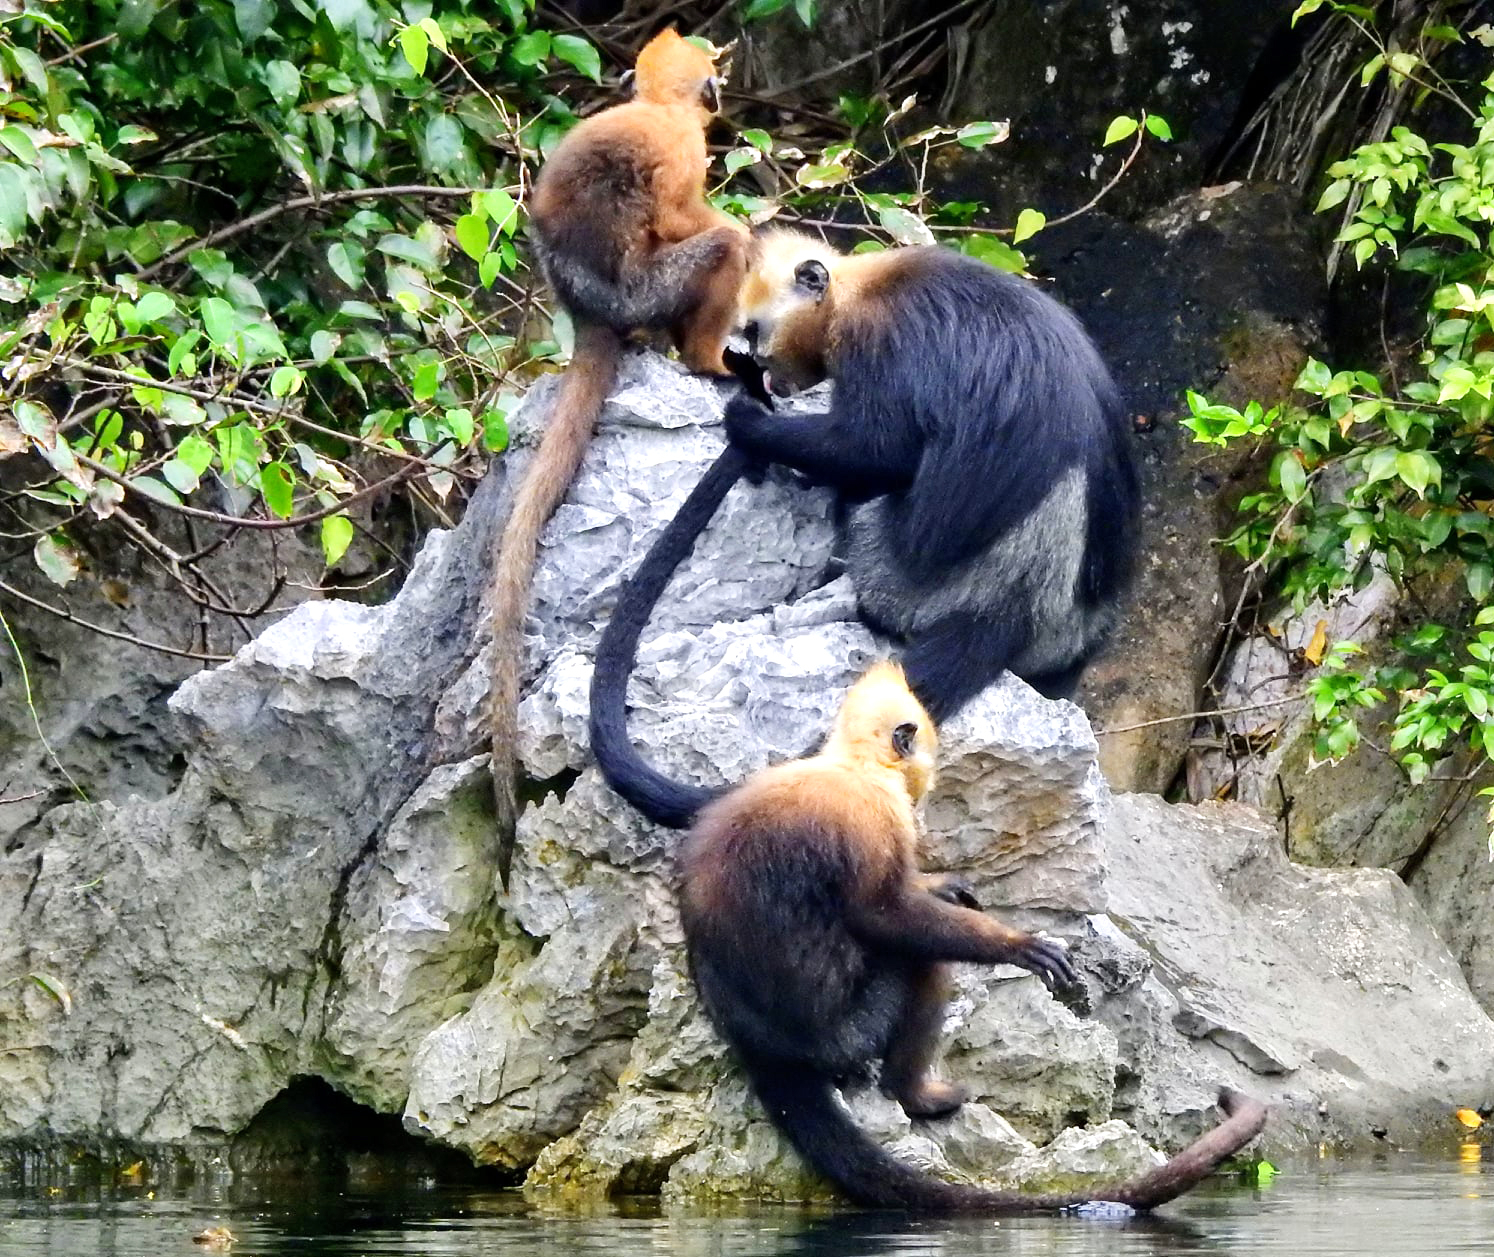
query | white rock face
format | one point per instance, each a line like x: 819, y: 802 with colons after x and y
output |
x: 320, y: 897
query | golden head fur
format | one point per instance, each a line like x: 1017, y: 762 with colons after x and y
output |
x: 671, y: 70
x: 881, y: 723
x: 787, y: 324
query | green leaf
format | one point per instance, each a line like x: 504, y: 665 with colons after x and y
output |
x: 286, y: 381
x: 433, y: 30
x: 530, y: 49
x: 1315, y: 378
x: 417, y: 252
x: 346, y: 260
x: 459, y: 423
x: 323, y: 345
x: 337, y: 534
x: 195, y: 452
x: 277, y: 488
x: 756, y: 10
x: 1480, y: 578
x: 153, y: 307
x: 1157, y: 125
x: 981, y: 134
x: 1291, y: 476
x: 153, y: 488
x: 284, y: 82
x: 1306, y: 7
x: 1333, y: 195
x: 33, y: 69
x: 415, y: 44
x: 759, y: 140
x: 1417, y: 470
x: 1029, y: 223
x: 218, y: 319
x: 494, y: 431
x: 427, y: 376
x: 19, y: 143
x: 905, y: 226
x: 574, y: 50
x: 1119, y: 129
x: 471, y: 232
x: 995, y: 253
x: 502, y: 209
x: 179, y: 475
x: 488, y: 268
x: 740, y: 158
x: 57, y: 560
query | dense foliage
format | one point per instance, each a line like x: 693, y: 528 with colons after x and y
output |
x: 264, y: 262
x: 1392, y: 470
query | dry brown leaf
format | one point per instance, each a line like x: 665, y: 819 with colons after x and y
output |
x: 1315, y: 649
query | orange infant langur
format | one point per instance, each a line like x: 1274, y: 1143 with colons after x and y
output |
x: 819, y: 949
x: 628, y: 242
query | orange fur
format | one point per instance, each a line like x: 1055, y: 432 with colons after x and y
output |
x: 621, y: 216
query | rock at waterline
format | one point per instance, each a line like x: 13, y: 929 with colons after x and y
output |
x: 318, y: 897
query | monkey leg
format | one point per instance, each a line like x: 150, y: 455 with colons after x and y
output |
x: 909, y: 1059
x: 702, y: 336
x: 691, y: 288
x: 952, y: 660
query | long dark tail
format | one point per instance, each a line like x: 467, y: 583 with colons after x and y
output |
x: 663, y: 801
x: 802, y: 1104
x: 583, y: 392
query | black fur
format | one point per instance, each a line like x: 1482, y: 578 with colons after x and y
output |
x: 977, y: 393
x: 809, y: 989
x: 964, y: 400
x: 663, y: 801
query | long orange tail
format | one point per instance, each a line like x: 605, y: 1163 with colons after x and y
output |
x: 588, y: 380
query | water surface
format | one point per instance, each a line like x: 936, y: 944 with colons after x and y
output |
x: 1409, y: 1208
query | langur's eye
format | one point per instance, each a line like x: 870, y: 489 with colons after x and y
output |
x: 902, y: 739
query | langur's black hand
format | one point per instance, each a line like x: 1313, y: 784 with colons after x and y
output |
x: 1049, y: 960
x: 743, y: 416
x: 749, y: 371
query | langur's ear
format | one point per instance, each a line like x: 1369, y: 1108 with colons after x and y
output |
x: 903, y: 738
x: 812, y: 278
x: 626, y: 82
x: 710, y: 95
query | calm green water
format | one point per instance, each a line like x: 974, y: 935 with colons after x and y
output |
x: 1405, y: 1208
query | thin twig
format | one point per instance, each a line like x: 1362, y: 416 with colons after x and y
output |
x: 82, y: 48
x: 1199, y: 715
x: 299, y: 203
x: 63, y: 614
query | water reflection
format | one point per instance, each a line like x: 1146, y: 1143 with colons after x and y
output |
x: 1404, y: 1208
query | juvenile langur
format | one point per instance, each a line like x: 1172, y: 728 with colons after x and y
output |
x: 819, y: 949
x: 986, y: 491
x: 628, y: 242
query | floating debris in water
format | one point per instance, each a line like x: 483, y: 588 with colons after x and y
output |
x: 1102, y: 1209
x: 217, y: 1238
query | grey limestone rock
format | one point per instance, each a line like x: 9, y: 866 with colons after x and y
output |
x: 318, y: 895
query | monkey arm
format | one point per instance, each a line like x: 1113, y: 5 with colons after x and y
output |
x: 824, y: 446
x: 915, y: 923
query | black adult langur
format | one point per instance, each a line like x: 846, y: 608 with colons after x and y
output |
x: 978, y: 448
x: 986, y: 490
